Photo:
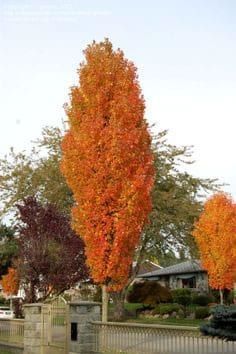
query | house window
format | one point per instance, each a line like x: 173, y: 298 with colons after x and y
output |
x: 189, y: 283
x: 166, y: 281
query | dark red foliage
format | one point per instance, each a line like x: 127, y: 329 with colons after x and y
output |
x: 51, y: 255
x: 149, y: 292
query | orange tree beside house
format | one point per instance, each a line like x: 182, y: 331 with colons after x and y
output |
x: 215, y: 233
x: 108, y: 163
x: 10, y: 282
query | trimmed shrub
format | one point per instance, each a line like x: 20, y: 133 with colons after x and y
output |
x: 223, y: 323
x: 2, y: 300
x: 201, y: 300
x: 228, y: 296
x: 202, y: 312
x: 163, y: 309
x: 148, y: 292
x: 181, y: 296
x: 97, y: 295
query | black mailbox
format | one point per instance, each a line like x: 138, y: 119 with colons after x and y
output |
x: 74, y: 332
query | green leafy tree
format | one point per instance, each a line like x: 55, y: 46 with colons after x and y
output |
x: 35, y: 173
x: 8, y: 248
x: 177, y: 203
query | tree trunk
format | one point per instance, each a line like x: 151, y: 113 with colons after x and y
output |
x: 11, y: 305
x: 118, y: 301
x: 221, y: 296
x: 119, y: 298
x: 104, y: 304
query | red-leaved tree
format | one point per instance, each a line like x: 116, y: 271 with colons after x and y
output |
x: 51, y: 256
x: 108, y: 163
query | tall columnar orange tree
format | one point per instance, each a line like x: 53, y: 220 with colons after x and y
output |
x: 107, y: 162
x: 215, y: 233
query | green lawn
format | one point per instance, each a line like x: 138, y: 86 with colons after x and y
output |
x: 128, y: 306
x: 169, y: 321
x: 132, y: 308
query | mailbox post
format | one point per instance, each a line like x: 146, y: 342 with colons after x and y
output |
x: 81, y: 332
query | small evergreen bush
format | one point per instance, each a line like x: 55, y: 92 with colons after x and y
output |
x: 223, y: 323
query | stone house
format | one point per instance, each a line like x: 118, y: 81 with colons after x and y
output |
x: 189, y: 274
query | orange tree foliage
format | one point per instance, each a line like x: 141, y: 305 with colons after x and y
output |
x: 215, y: 233
x: 10, y: 282
x: 107, y: 162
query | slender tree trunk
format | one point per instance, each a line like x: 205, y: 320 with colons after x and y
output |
x: 104, y: 304
x: 30, y: 293
x: 119, y: 309
x: 221, y: 296
x: 119, y: 298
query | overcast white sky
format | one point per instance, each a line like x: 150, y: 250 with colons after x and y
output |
x: 185, y: 51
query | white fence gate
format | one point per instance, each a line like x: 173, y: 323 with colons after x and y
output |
x: 55, y: 327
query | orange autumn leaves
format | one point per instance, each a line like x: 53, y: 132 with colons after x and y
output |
x: 107, y: 162
x: 215, y: 233
x: 10, y: 282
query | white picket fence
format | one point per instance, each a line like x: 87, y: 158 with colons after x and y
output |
x: 127, y: 338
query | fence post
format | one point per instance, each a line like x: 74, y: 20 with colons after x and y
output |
x: 81, y: 332
x: 33, y: 329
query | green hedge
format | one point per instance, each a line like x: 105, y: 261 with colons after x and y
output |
x: 201, y: 312
x: 181, y: 296
x: 167, y: 309
x: 201, y: 300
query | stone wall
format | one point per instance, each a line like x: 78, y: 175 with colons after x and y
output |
x: 80, y: 332
x: 33, y: 329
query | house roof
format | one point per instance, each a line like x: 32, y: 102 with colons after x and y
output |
x: 191, y: 266
x: 148, y: 267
